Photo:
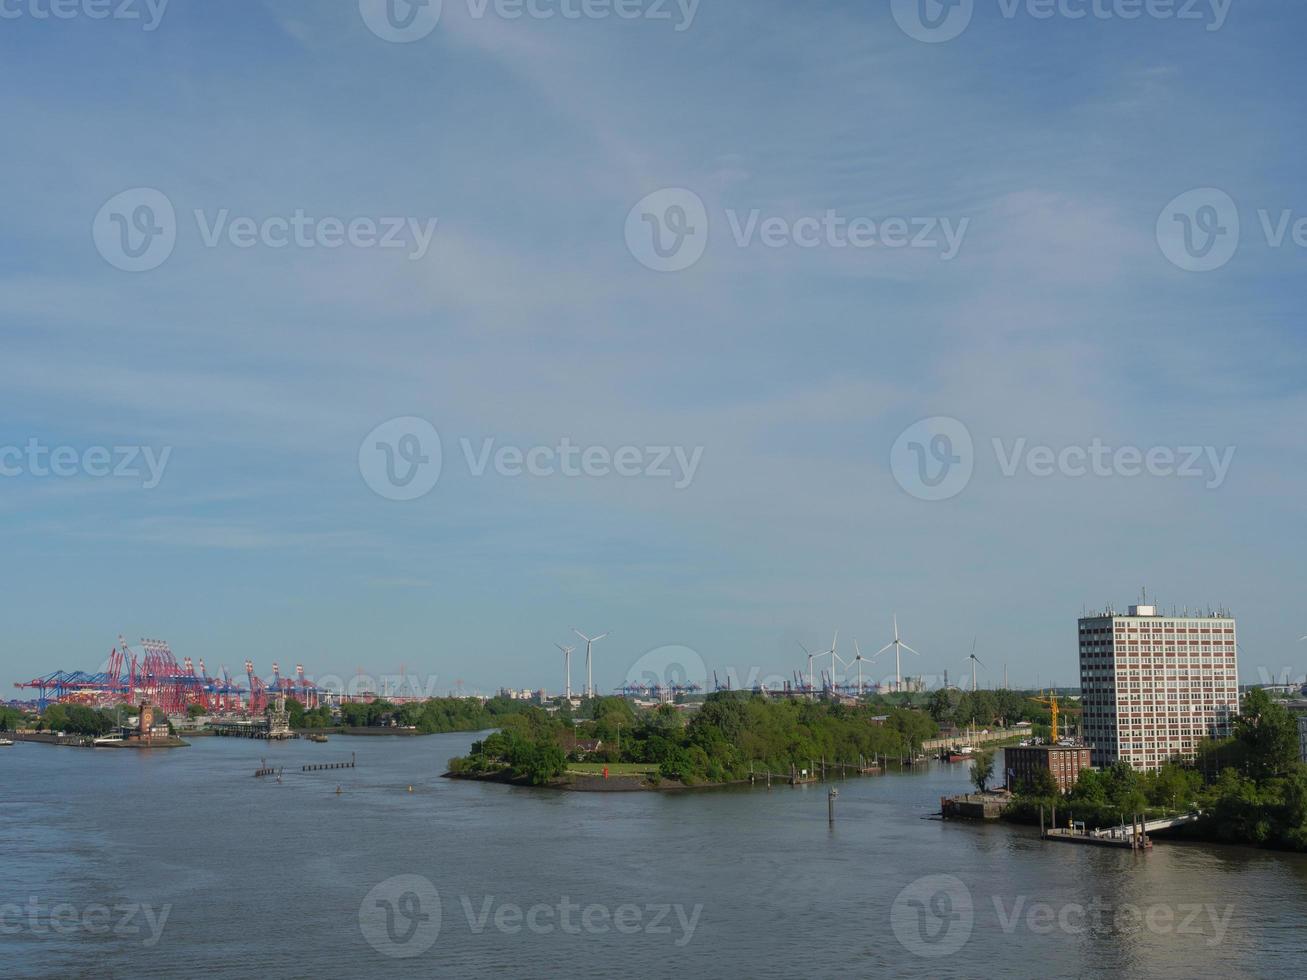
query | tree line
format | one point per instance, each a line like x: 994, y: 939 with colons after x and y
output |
x: 731, y: 735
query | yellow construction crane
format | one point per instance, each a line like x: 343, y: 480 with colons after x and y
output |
x: 1052, y: 705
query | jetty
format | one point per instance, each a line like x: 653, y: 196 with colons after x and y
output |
x: 1135, y: 835
x: 321, y: 766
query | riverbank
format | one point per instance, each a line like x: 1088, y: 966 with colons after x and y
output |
x: 628, y: 782
x: 582, y: 782
x: 88, y: 741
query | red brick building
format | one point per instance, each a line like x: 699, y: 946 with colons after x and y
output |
x: 1063, y: 761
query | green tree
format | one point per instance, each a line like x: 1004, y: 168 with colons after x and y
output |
x: 982, y: 769
x: 1043, y: 786
x: 942, y: 705
x: 1268, y: 735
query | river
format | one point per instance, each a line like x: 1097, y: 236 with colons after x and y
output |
x: 182, y: 864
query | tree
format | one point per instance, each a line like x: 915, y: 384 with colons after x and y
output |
x: 1174, y: 786
x: 1043, y: 786
x: 982, y: 769
x: 941, y: 706
x: 1268, y: 735
x: 540, y: 762
x: 1090, y: 788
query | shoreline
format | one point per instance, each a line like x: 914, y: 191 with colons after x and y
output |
x: 88, y: 741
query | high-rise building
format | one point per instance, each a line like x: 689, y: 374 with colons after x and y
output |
x: 1155, y: 686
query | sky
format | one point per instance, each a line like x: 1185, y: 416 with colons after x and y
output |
x: 368, y: 340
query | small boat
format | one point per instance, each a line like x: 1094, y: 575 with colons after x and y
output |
x: 318, y: 738
x: 6, y: 742
x: 108, y: 740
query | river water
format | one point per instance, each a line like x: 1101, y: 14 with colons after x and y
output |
x: 182, y: 864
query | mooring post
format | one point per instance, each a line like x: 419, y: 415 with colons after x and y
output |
x: 1042, y: 832
x: 831, y: 797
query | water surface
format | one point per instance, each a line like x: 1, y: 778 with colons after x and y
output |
x: 258, y: 877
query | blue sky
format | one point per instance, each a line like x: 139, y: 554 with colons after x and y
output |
x: 529, y: 320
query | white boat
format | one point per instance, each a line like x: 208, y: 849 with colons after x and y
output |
x: 108, y: 740
x: 6, y: 742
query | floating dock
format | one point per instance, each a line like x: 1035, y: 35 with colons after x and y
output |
x: 1140, y: 842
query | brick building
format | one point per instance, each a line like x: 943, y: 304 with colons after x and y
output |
x: 1064, y: 762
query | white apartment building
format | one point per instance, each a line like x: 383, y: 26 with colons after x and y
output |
x: 1155, y: 686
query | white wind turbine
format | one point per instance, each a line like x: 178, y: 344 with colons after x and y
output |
x: 974, y: 660
x: 859, y: 660
x: 567, y: 668
x: 834, y: 657
x: 812, y: 690
x: 589, y: 674
x: 899, y: 646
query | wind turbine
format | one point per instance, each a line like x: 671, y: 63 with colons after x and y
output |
x: 834, y: 657
x: 899, y: 646
x: 567, y: 667
x: 812, y: 690
x: 589, y: 675
x: 974, y: 660
x: 859, y: 659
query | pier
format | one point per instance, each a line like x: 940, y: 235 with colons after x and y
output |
x: 321, y: 766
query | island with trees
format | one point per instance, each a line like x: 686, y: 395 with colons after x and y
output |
x: 730, y: 738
